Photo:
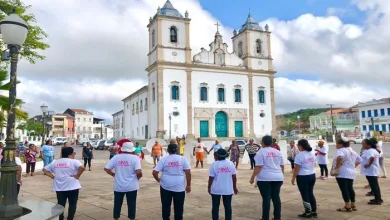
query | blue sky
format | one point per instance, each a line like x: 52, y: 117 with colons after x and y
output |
x: 233, y: 12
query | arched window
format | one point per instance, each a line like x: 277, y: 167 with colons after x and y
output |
x: 136, y: 108
x: 140, y: 108
x: 261, y: 96
x: 153, y: 38
x: 154, y: 94
x: 203, y: 93
x: 221, y: 95
x: 258, y: 46
x: 173, y: 34
x: 240, y: 52
x: 133, y: 111
x: 146, y: 104
x: 237, y: 95
x: 175, y: 92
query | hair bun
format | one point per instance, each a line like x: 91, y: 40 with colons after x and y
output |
x: 345, y: 139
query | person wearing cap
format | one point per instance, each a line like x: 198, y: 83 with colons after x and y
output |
x: 175, y: 181
x: 215, y: 147
x: 66, y: 173
x: 198, y: 152
x: 126, y: 179
x: 269, y: 174
x: 222, y: 183
x: 252, y: 149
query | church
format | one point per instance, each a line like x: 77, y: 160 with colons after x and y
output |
x: 212, y: 94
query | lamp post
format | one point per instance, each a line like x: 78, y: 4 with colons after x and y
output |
x: 45, y: 110
x: 14, y: 32
x: 170, y: 126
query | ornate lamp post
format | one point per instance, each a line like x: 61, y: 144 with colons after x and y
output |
x: 45, y: 110
x: 14, y: 32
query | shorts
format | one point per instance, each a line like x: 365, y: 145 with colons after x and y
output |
x: 199, y: 156
x: 156, y: 157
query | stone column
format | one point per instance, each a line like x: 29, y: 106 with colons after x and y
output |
x: 270, y: 65
x: 212, y: 126
x: 273, y: 115
x: 250, y: 100
x: 160, y: 104
x: 190, y: 119
x: 231, y: 127
x: 188, y: 149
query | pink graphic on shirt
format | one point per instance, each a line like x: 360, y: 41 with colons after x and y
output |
x: 62, y: 165
x: 123, y: 163
x: 224, y: 170
x: 272, y: 154
x: 310, y: 160
x: 173, y: 164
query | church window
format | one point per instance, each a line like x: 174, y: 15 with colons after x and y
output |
x: 153, y: 38
x: 173, y: 34
x: 259, y: 46
x: 133, y: 111
x: 240, y: 52
x: 140, y: 108
x: 220, y: 59
x: 154, y: 94
x: 175, y: 92
x: 237, y: 95
x: 203, y: 93
x: 261, y: 96
x: 146, y: 104
x: 221, y: 94
x: 136, y: 108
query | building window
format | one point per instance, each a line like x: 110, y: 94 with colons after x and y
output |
x: 140, y: 107
x: 136, y: 108
x: 127, y: 106
x: 364, y: 128
x: 383, y: 127
x: 133, y: 110
x: 363, y: 114
x: 173, y: 34
x: 259, y: 46
x: 78, y: 119
x: 85, y: 119
x: 154, y: 94
x: 203, y: 94
x: 261, y: 94
x: 153, y: 38
x: 375, y: 112
x: 382, y: 112
x: 370, y: 127
x: 237, y: 94
x: 175, y: 92
x: 376, y: 127
x: 240, y: 52
x: 146, y: 104
x: 369, y: 114
x: 388, y: 111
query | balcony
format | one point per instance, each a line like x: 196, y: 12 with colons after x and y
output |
x: 58, y: 122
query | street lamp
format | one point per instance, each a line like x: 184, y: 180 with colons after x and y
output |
x: 45, y: 110
x: 14, y: 32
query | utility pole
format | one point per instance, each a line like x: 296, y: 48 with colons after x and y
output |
x: 331, y: 116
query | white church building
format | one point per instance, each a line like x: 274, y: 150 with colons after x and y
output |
x: 215, y: 93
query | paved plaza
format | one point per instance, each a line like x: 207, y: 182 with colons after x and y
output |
x: 96, y: 196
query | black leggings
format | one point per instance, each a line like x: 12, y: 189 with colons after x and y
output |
x: 252, y: 160
x: 227, y: 203
x: 87, y: 160
x: 72, y: 196
x: 178, y: 203
x: 346, y: 187
x: 270, y: 190
x: 373, y: 181
x: 131, y: 198
x: 292, y: 163
x: 306, y: 188
x: 324, y: 168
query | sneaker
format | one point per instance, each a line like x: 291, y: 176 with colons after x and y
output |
x: 314, y: 215
x: 374, y: 202
x: 305, y: 215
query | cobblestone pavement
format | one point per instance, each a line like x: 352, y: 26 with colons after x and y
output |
x: 96, y: 197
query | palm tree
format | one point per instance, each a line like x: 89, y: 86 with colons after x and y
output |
x: 4, y: 101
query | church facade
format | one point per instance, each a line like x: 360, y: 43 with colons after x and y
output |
x: 215, y: 93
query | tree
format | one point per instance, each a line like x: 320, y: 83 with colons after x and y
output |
x: 33, y: 43
x: 32, y: 127
x: 288, y: 125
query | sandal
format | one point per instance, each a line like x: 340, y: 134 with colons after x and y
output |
x: 345, y: 209
x: 353, y: 208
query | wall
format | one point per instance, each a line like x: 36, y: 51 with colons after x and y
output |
x: 139, y: 119
x: 380, y: 120
x: 262, y: 126
x: 153, y: 54
x: 117, y: 127
x: 178, y: 123
x: 236, y: 40
x: 152, y: 106
x: 127, y: 111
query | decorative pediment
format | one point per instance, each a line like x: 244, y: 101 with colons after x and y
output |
x: 261, y: 87
x: 237, y: 86
x: 221, y: 85
x: 203, y: 84
x: 175, y: 83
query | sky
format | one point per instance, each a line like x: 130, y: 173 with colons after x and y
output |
x: 324, y: 51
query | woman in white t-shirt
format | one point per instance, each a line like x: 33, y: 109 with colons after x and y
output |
x: 304, y: 173
x: 175, y: 181
x: 381, y: 158
x: 344, y: 163
x: 269, y: 173
x: 322, y: 159
x: 126, y: 179
x: 222, y: 183
x: 66, y: 173
x: 370, y: 168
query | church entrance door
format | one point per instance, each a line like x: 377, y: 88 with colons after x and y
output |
x: 204, y: 128
x: 238, y: 129
x: 221, y: 124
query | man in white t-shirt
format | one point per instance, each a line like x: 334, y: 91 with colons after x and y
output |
x: 126, y: 179
x: 222, y: 183
x: 176, y: 172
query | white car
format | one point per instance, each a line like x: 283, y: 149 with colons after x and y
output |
x: 358, y: 140
x: 60, y: 140
x: 99, y: 145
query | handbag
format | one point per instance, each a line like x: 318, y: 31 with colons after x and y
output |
x: 334, y: 171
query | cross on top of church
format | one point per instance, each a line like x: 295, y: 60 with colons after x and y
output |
x: 217, y: 24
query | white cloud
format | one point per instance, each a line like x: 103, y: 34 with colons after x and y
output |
x: 98, y: 54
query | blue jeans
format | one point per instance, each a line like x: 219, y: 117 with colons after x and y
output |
x: 47, y: 160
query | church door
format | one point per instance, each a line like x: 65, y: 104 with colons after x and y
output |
x: 238, y: 129
x: 221, y: 124
x: 204, y: 128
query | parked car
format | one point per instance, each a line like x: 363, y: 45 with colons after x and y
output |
x: 108, y: 143
x: 358, y: 140
x: 59, y: 140
x: 99, y: 145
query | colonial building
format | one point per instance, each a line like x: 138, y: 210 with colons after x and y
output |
x: 118, y: 121
x: 344, y: 120
x: 63, y: 125
x: 83, y: 122
x: 215, y: 93
x: 375, y: 115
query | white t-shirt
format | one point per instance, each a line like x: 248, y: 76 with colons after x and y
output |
x: 270, y: 159
x: 322, y: 159
x: 373, y: 170
x: 172, y: 168
x: 350, y: 158
x: 222, y: 171
x: 63, y: 170
x: 125, y: 165
x: 306, y: 161
x: 380, y: 148
x: 199, y: 147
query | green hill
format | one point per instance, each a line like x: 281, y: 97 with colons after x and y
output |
x: 304, y: 114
